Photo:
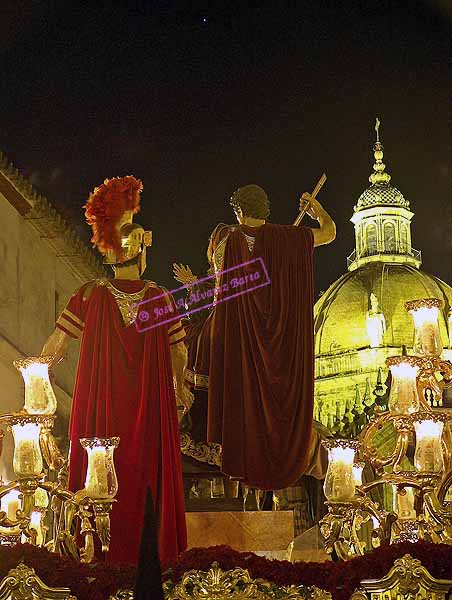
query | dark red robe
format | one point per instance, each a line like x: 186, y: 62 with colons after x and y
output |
x: 124, y: 387
x: 261, y: 376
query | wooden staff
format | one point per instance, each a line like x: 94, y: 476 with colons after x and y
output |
x: 317, y: 189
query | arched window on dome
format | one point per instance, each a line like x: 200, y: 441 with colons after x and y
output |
x: 403, y: 238
x: 362, y: 241
x: 389, y: 237
x: 371, y: 240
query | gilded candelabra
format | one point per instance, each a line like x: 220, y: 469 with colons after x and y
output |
x: 37, y: 506
x: 419, y: 509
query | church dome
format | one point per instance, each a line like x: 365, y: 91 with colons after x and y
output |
x: 361, y: 319
x: 340, y: 314
x: 381, y: 194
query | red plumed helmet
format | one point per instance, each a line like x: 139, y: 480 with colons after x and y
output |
x: 106, y: 207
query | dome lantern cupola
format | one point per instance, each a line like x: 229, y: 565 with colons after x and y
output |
x: 382, y: 220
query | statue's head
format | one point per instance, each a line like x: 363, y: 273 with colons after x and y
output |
x: 134, y: 243
x: 374, y: 303
x: 109, y: 211
x: 250, y: 201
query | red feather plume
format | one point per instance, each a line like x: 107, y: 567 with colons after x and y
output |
x: 105, y: 207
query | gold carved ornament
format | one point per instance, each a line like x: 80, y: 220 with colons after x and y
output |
x: 206, y: 452
x: 407, y: 579
x: 123, y: 595
x: 22, y: 583
x: 236, y: 584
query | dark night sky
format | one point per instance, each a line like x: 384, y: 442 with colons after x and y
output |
x: 199, y: 98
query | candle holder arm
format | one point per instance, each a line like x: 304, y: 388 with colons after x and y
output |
x: 444, y: 486
x: 50, y: 451
x: 440, y: 516
x: 102, y: 509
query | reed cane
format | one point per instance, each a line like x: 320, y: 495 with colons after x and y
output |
x: 316, y: 190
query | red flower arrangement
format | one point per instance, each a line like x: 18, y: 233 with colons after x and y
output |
x: 86, y: 582
x: 99, y: 581
x: 339, y: 578
x: 105, y: 207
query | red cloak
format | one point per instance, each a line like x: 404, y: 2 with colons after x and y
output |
x: 261, y: 376
x: 124, y: 387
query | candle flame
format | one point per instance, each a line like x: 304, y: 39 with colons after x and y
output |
x: 404, y: 370
x: 425, y: 315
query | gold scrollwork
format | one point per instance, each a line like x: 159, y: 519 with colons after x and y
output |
x: 407, y: 579
x: 123, y: 595
x: 22, y: 583
x: 236, y: 584
x: 206, y: 452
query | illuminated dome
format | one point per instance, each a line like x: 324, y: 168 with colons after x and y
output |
x: 381, y: 194
x: 361, y: 319
x: 341, y: 313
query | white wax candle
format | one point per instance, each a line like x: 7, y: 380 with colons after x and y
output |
x: 35, y: 523
x: 11, y: 504
x: 97, y: 476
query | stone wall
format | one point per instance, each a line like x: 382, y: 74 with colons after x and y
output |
x: 35, y: 284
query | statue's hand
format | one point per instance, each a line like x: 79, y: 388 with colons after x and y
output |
x: 314, y: 206
x: 183, y: 274
x: 184, y: 400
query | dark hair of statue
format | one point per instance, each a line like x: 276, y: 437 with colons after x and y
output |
x: 252, y: 200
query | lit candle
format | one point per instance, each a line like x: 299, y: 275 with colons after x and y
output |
x: 101, y: 481
x: 11, y: 504
x: 36, y: 524
x: 403, y: 395
x: 39, y: 395
x: 340, y: 483
x: 427, y: 338
x: 27, y: 459
x: 97, y: 478
x: 428, y: 456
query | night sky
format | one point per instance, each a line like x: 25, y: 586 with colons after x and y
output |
x: 199, y: 98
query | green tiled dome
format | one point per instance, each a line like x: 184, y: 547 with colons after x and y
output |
x: 381, y: 194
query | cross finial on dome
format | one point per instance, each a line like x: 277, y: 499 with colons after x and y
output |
x: 377, y: 128
x: 379, y: 175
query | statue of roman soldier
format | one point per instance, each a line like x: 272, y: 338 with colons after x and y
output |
x: 129, y: 379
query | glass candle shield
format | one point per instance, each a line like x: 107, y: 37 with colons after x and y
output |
x: 428, y: 456
x: 39, y: 395
x: 27, y: 458
x: 403, y: 395
x: 101, y: 481
x: 427, y: 337
x: 340, y: 480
